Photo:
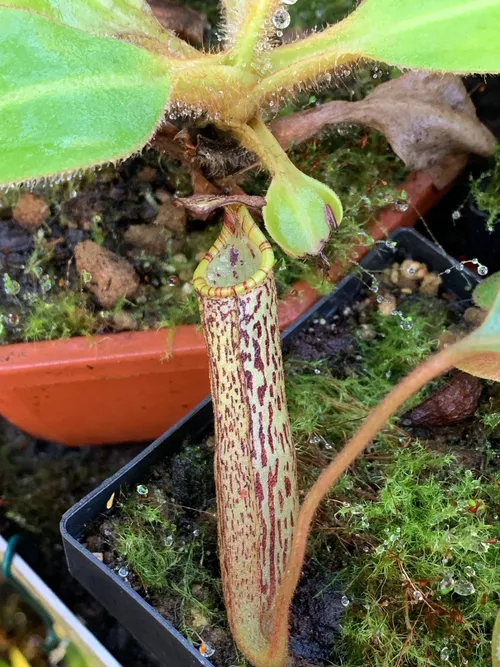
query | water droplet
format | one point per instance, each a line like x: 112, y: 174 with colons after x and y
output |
x: 196, y: 532
x: 142, y: 490
x: 402, y: 205
x: 475, y: 260
x: 380, y: 299
x: 13, y: 319
x: 456, y: 215
x: 46, y: 284
x: 470, y: 571
x: 464, y: 587
x: 482, y: 270
x: 314, y: 440
x: 345, y: 601
x: 346, y: 504
x: 391, y: 244
x: 281, y: 19
x: 374, y: 287
x: 289, y: 2
x: 206, y: 650
x: 446, y: 584
x: 464, y: 661
x: 174, y: 280
x: 459, y: 267
x: 406, y: 324
x: 366, y: 549
x: 411, y: 270
x: 11, y: 287
x: 86, y: 277
x: 317, y: 371
x: 417, y: 595
x: 168, y: 541
x: 348, y: 483
x: 447, y: 270
x: 445, y: 653
x: 328, y: 445
x: 123, y: 572
x: 279, y: 33
x: 388, y: 374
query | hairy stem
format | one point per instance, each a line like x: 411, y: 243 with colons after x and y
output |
x: 207, y: 85
x: 255, y: 468
x: 300, y: 74
x: 252, y: 29
x: 257, y: 138
x: 430, y: 369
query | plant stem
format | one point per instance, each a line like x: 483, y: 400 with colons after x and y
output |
x: 299, y: 74
x: 430, y: 369
x: 253, y: 27
x: 258, y: 139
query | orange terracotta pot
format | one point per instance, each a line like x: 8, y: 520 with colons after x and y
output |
x: 130, y: 387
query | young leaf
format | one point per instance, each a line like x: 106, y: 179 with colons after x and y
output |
x: 453, y: 35
x: 481, y: 350
x: 442, y: 35
x: 485, y: 293
x: 70, y: 100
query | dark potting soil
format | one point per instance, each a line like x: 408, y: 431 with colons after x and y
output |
x: 128, y: 211
x: 169, y: 521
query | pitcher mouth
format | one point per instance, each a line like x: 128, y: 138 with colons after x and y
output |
x: 240, y: 259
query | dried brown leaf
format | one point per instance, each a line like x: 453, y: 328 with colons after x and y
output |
x: 201, y: 206
x: 454, y: 402
x: 426, y: 117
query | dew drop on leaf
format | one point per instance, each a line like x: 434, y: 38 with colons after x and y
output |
x: 445, y: 653
x: 446, y: 584
x: 345, y: 601
x: 464, y: 587
x: 281, y: 19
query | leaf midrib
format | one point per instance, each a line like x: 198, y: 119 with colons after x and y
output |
x: 64, y: 86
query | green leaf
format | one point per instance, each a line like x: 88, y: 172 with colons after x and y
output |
x: 485, y: 293
x: 70, y: 100
x: 444, y: 35
x: 103, y: 17
x: 481, y: 349
x: 451, y: 35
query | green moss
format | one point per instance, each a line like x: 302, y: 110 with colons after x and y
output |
x: 485, y: 191
x: 63, y: 317
x: 344, y: 402
x: 426, y: 590
x: 405, y: 518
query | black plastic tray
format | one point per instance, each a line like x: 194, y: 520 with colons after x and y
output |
x: 148, y: 627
